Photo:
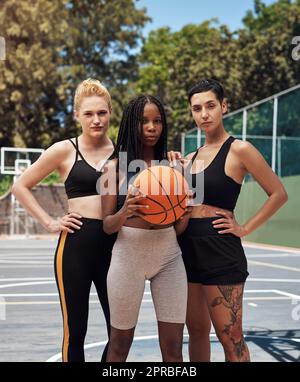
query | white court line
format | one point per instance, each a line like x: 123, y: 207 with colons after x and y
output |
x: 31, y: 294
x: 143, y: 301
x: 277, y: 291
x: 34, y: 294
x: 265, y: 298
x: 270, y: 247
x: 57, y: 302
x: 57, y: 356
x: 290, y: 255
x: 26, y: 284
x: 274, y: 266
x: 274, y: 280
x: 25, y: 266
x: 51, y: 280
x: 23, y: 254
x: 260, y: 291
x: 145, y: 293
x: 49, y: 259
x: 25, y: 258
x: 25, y: 262
x: 27, y: 279
x: 13, y: 258
x: 291, y: 295
x: 249, y: 279
x: 95, y: 294
x: 252, y: 304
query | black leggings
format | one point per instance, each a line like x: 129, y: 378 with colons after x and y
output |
x: 81, y: 258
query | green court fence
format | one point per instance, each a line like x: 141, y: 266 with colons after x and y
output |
x: 273, y: 127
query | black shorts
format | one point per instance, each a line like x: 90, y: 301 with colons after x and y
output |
x: 211, y: 258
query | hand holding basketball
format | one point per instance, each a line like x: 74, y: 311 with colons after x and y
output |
x: 131, y: 206
x: 166, y: 193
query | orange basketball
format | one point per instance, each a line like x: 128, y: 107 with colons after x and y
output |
x: 166, y: 193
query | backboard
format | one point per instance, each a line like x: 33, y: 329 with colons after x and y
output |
x: 14, y: 160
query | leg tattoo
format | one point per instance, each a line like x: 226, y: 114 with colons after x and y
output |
x: 232, y: 298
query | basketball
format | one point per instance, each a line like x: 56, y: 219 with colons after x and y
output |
x: 166, y: 192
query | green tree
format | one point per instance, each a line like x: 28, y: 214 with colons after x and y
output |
x: 265, y: 49
x: 172, y: 62
x: 252, y: 63
x: 103, y: 37
x: 31, y: 85
x: 51, y: 46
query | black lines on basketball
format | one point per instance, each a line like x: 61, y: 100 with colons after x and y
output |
x: 164, y: 192
x: 164, y: 211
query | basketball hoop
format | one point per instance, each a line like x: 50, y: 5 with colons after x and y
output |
x: 21, y: 165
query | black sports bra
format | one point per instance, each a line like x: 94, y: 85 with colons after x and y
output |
x: 219, y: 189
x: 82, y: 178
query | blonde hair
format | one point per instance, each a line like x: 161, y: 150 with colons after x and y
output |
x: 91, y: 87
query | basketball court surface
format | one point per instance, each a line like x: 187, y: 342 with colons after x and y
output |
x: 31, y: 320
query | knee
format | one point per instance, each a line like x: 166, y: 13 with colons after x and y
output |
x: 199, y: 329
x: 231, y: 340
x: 171, y: 350
x: 120, y: 345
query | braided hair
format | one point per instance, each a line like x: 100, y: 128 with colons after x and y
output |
x: 129, y: 138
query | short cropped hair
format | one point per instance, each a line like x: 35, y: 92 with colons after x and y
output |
x: 206, y: 85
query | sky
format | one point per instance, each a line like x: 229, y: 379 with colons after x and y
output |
x: 177, y: 13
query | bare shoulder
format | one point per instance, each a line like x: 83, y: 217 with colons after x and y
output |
x: 248, y: 155
x: 245, y: 151
x: 190, y: 155
x: 240, y: 147
x: 56, y: 154
x: 59, y: 151
x: 61, y: 147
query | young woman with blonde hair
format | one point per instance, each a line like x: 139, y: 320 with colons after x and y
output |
x: 84, y: 250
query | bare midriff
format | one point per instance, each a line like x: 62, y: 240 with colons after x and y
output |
x: 86, y: 206
x: 90, y: 207
x: 207, y: 211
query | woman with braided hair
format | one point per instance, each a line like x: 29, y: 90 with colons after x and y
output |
x: 143, y: 251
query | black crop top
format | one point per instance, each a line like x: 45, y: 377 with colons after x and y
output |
x: 219, y: 189
x: 82, y: 178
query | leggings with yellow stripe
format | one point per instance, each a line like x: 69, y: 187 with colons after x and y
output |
x: 81, y: 258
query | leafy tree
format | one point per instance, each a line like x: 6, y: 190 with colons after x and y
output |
x: 265, y: 49
x: 252, y: 63
x: 31, y: 86
x: 51, y: 46
x: 172, y: 62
